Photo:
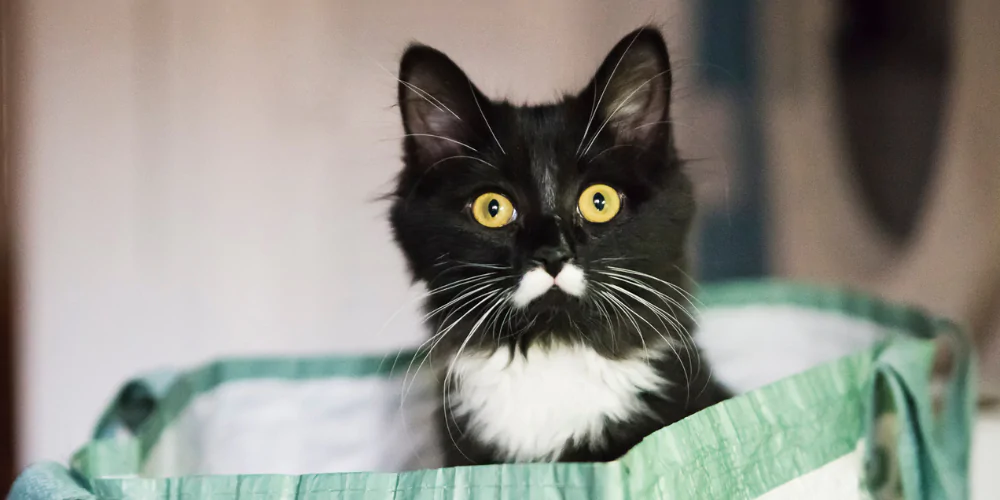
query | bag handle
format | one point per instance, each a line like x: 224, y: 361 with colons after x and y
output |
x: 135, y: 402
x: 933, y: 450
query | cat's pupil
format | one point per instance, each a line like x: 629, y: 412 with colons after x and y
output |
x: 599, y: 201
x: 493, y: 208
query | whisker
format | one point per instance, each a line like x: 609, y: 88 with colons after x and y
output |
x: 596, y: 301
x: 691, y: 280
x: 427, y: 96
x: 440, y: 336
x: 447, y: 377
x: 477, y: 264
x: 434, y: 291
x: 687, y: 338
x: 483, y: 286
x: 422, y: 296
x: 662, y: 296
x: 443, y: 138
x: 631, y: 314
x: 480, y: 160
x: 610, y: 259
x: 623, y: 103
x: 650, y: 124
x: 670, y: 301
x: 607, y: 84
x: 508, y: 307
x: 691, y: 297
x: 609, y: 149
x: 481, y: 113
x: 458, y: 304
x: 684, y: 369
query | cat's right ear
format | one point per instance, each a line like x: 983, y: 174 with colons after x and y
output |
x: 441, y: 108
x: 630, y: 94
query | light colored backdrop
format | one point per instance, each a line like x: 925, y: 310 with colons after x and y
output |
x: 952, y: 265
x: 197, y: 177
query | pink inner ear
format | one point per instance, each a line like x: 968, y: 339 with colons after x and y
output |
x: 436, y: 132
x: 437, y: 122
x: 638, y: 102
x: 649, y: 113
x: 636, y: 98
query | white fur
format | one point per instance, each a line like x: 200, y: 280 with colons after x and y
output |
x: 537, y: 281
x: 533, y: 284
x: 532, y: 407
x: 571, y: 280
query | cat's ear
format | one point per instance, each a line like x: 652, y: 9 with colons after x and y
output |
x: 630, y: 94
x: 442, y: 110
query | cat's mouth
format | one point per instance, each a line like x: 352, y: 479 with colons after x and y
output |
x: 538, y: 282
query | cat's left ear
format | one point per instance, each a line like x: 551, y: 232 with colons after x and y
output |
x: 630, y: 94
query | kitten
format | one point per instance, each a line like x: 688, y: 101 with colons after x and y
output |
x: 552, y: 240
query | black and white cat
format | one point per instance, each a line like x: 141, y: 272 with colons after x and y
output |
x: 552, y: 240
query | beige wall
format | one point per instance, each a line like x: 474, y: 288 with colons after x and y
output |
x: 820, y: 233
x: 196, y: 177
x: 952, y: 266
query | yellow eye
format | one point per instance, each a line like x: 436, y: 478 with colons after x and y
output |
x: 599, y: 203
x: 493, y: 210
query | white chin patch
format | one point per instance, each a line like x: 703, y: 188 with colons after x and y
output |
x: 536, y: 282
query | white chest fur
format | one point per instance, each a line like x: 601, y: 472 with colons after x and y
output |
x: 531, y: 407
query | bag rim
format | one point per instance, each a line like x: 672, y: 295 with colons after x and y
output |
x: 851, y: 372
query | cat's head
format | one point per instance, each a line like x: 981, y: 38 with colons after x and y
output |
x: 564, y: 221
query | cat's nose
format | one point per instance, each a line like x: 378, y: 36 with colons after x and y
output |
x: 552, y: 258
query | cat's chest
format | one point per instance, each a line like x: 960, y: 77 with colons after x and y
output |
x: 531, y: 407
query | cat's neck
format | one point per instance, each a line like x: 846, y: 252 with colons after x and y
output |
x: 534, y: 405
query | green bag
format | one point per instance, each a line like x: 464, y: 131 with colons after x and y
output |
x: 836, y: 403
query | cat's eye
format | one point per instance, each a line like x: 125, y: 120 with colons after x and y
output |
x: 493, y: 210
x: 599, y: 203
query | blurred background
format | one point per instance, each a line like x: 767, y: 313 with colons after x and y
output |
x: 185, y: 180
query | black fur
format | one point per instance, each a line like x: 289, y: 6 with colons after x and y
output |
x: 541, y: 157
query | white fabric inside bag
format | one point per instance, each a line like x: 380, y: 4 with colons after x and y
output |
x: 341, y: 424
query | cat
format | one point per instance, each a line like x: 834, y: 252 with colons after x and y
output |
x: 552, y: 241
